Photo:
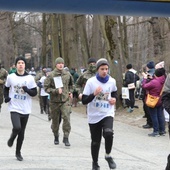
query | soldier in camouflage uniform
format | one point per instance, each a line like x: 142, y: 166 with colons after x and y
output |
x: 59, y: 84
x: 3, y: 76
x: 37, y: 78
x: 81, y: 81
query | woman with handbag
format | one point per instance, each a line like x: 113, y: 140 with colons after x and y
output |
x: 154, y: 88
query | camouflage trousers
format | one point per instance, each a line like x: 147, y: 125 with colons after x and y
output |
x: 64, y: 109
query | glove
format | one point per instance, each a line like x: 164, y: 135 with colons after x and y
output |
x: 7, y: 99
x: 25, y: 88
x: 39, y: 84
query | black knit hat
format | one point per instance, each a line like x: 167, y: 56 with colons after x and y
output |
x: 91, y: 60
x: 100, y: 62
x: 150, y: 65
x: 159, y: 72
x: 20, y: 58
x: 129, y: 66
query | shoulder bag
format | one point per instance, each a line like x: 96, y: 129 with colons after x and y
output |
x: 151, y: 100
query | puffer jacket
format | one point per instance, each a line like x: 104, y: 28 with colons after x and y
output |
x: 154, y: 87
x: 131, y: 77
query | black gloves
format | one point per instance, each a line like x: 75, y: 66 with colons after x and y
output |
x: 39, y: 84
x: 25, y: 88
x: 7, y: 99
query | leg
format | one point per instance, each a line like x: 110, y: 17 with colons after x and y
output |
x: 107, y: 124
x: 161, y: 120
x: 20, y: 139
x: 96, y: 134
x: 55, y: 115
x: 154, y: 117
x: 16, y: 122
x: 65, y: 113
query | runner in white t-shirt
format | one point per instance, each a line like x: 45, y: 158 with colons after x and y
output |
x: 19, y: 89
x: 100, y: 94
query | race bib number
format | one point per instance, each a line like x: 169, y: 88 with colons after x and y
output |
x: 19, y: 97
x: 102, y: 106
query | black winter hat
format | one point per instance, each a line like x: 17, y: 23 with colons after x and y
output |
x: 91, y: 60
x: 129, y: 66
x: 159, y: 72
x: 20, y: 58
x: 150, y: 65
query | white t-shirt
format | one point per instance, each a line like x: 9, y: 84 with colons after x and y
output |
x: 21, y: 101
x: 43, y: 93
x: 99, y: 107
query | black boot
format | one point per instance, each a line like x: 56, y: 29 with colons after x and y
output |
x: 56, y: 140
x: 66, y: 142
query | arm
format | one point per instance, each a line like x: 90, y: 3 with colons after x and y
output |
x: 32, y: 92
x: 87, y: 99
x: 6, y: 94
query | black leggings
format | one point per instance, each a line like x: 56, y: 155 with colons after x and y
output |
x: 19, y: 122
x: 105, y: 126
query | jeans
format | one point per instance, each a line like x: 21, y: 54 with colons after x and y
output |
x: 158, y: 119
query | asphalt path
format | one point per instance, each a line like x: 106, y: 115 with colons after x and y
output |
x: 132, y: 148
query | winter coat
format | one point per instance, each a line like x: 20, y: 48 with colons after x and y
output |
x: 154, y: 87
x: 131, y: 77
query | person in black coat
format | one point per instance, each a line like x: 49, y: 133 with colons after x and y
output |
x: 130, y: 77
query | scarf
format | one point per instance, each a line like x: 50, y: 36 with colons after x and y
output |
x: 102, y: 79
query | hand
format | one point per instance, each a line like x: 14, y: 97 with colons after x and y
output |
x: 60, y: 90
x: 7, y: 99
x: 97, y: 91
x: 112, y: 101
x: 70, y: 95
x: 144, y: 75
x: 80, y: 96
x: 25, y: 88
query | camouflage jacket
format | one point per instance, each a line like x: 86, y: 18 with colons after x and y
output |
x: 38, y: 76
x: 68, y: 83
x: 3, y: 76
x: 81, y: 81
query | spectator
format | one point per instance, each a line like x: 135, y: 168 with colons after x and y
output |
x: 19, y: 90
x: 130, y: 77
x: 13, y: 69
x: 166, y: 106
x: 154, y: 88
x: 100, y: 94
x: 150, y: 70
